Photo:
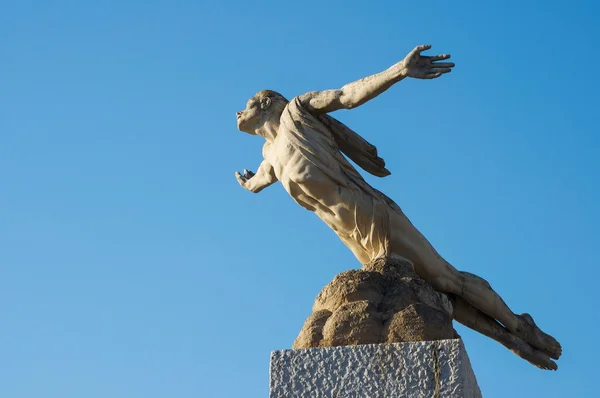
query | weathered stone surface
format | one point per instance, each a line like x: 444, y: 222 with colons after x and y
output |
x: 420, y: 369
x: 312, y: 331
x: 385, y: 302
x: 357, y: 322
x: 349, y: 286
x: 418, y: 322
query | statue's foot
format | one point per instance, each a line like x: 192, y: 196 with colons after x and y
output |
x: 534, y: 357
x: 533, y: 335
x: 528, y: 353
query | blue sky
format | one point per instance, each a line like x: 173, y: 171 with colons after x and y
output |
x: 133, y: 265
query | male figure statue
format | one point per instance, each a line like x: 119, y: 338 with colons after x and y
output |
x: 303, y: 150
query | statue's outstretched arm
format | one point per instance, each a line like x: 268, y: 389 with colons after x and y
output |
x: 358, y: 92
x: 264, y: 177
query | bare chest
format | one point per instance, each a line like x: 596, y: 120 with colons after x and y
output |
x: 284, y: 157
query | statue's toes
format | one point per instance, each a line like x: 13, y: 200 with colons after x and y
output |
x: 541, y: 340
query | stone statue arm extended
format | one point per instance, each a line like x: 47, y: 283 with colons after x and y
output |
x: 357, y: 93
x: 256, y: 182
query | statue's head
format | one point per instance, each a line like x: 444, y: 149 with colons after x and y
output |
x: 265, y: 106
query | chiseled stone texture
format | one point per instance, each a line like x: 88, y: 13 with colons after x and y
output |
x: 417, y: 369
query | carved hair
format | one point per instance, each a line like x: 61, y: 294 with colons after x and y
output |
x: 278, y: 101
x: 274, y: 95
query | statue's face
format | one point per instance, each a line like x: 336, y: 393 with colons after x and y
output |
x: 250, y: 118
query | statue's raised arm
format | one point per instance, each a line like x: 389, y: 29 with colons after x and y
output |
x: 357, y: 93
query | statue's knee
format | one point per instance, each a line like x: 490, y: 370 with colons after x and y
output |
x: 446, y: 284
x: 468, y: 275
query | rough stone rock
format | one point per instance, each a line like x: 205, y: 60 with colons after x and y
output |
x: 357, y: 322
x: 418, y: 322
x: 313, y: 329
x: 349, y: 286
x: 384, y: 302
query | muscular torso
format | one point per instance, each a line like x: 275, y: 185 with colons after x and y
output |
x: 304, y: 181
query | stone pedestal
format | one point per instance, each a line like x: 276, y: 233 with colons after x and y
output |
x: 417, y: 369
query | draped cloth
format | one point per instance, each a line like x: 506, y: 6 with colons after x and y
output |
x: 357, y: 212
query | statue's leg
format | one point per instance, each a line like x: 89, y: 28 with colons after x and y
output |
x: 486, y: 325
x: 478, y: 292
x: 410, y: 243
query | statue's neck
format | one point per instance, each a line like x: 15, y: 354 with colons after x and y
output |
x: 268, y: 130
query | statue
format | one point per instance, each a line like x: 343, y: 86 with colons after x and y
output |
x: 304, y: 151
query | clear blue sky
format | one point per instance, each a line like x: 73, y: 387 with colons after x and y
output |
x: 133, y: 265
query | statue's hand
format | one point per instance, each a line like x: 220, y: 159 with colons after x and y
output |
x: 244, y: 178
x: 425, y: 67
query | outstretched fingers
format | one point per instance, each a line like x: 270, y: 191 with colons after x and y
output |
x: 436, y: 73
x: 442, y: 64
x: 241, y: 179
x: 439, y: 57
x: 419, y: 49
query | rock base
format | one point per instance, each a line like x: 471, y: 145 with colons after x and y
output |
x: 419, y: 369
x: 384, y: 302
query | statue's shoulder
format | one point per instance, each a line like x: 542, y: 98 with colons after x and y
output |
x: 290, y: 111
x: 294, y: 109
x: 294, y: 103
x: 297, y: 101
